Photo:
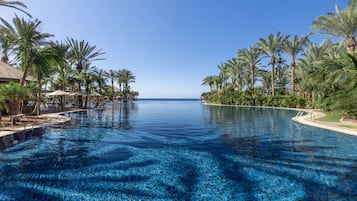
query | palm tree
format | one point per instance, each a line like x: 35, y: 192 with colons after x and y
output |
x: 28, y: 37
x: 313, y: 55
x: 40, y: 69
x: 13, y: 93
x: 88, y: 75
x: 14, y: 4
x: 112, y: 75
x: 223, y: 74
x: 342, y: 24
x: 236, y: 71
x: 128, y: 77
x: 293, y: 47
x: 266, y: 80
x: 250, y: 58
x: 7, y: 40
x: 120, y: 80
x: 341, y: 75
x: 209, y: 81
x: 270, y: 48
x: 282, y: 73
x: 100, y: 79
x: 61, y: 66
x: 80, y: 53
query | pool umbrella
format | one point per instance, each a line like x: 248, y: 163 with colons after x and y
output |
x: 97, y: 95
x: 59, y: 93
x: 76, y: 94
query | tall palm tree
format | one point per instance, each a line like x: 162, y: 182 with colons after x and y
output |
x: 100, y: 79
x: 120, y: 80
x: 128, y: 77
x: 270, y: 48
x: 112, y: 75
x: 89, y: 76
x: 293, y: 47
x: 60, y: 63
x: 342, y: 24
x: 209, y: 81
x: 266, y: 80
x: 313, y: 55
x: 28, y: 37
x: 341, y: 75
x: 81, y: 53
x: 14, y: 4
x: 282, y: 75
x: 40, y: 69
x: 7, y: 40
x: 250, y: 58
x: 236, y: 70
x: 223, y: 74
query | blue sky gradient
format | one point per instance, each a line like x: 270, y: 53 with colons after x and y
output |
x: 171, y: 45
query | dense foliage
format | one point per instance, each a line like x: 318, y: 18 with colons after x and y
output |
x: 318, y: 76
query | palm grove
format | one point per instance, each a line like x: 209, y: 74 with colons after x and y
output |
x: 318, y: 75
x: 64, y: 65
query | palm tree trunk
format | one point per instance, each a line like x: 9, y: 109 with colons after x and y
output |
x: 86, y: 102
x: 272, y: 75
x: 293, y: 77
x: 112, y: 90
x: 5, y: 58
x: 351, y: 46
x: 252, y: 79
x: 80, y: 100
x: 24, y: 75
x: 62, y: 101
x: 239, y: 83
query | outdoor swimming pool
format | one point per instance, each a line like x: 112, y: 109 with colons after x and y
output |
x: 181, y: 150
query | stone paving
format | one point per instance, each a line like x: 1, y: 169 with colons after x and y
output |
x: 34, y: 122
x: 311, y: 118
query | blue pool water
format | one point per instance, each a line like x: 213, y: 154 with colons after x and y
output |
x: 181, y: 150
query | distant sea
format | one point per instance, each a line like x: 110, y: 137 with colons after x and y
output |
x: 168, y: 99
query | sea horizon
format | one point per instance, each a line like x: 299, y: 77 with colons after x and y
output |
x: 169, y: 99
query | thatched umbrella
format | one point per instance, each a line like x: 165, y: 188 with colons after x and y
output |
x: 59, y: 93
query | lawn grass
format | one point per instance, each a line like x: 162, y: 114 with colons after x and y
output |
x: 331, y: 117
x: 349, y: 126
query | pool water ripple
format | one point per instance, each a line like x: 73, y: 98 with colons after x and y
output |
x: 181, y: 150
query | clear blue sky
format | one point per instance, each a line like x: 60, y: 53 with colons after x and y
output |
x: 171, y: 45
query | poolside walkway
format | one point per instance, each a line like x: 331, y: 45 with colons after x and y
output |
x: 34, y: 122
x: 311, y: 119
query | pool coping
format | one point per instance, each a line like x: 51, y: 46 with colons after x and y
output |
x: 312, y: 115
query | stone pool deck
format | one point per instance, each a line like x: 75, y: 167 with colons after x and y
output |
x: 311, y: 119
x: 35, y: 122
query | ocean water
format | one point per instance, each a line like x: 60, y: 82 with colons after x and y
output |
x: 181, y: 150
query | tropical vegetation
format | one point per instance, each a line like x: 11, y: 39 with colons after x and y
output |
x: 67, y: 65
x: 303, y: 73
